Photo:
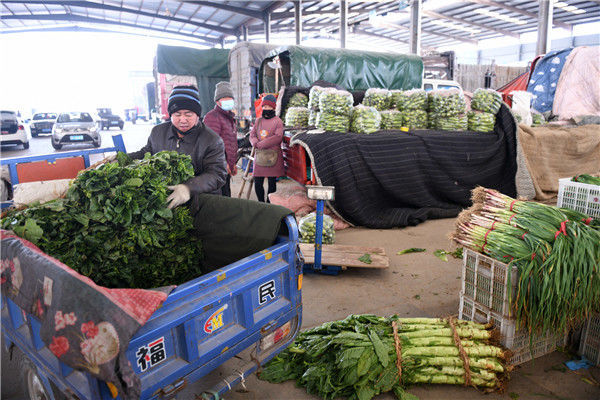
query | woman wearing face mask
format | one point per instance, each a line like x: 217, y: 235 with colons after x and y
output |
x: 266, y: 137
x: 221, y: 119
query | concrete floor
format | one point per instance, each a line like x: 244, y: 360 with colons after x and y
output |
x: 416, y: 285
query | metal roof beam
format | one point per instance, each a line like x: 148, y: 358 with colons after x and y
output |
x: 517, y: 10
x: 434, y: 15
x: 238, y: 10
x: 81, y: 18
x: 108, y: 7
x: 377, y: 35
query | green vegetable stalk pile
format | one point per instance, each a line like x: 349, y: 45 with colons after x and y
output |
x: 486, y: 100
x: 414, y: 119
x: 365, y: 119
x: 415, y: 99
x: 481, y: 121
x: 556, y: 251
x: 381, y: 99
x: 313, y: 104
x: 297, y: 100
x: 447, y: 102
x: 114, y: 225
x: 335, y: 109
x: 395, y: 100
x: 537, y: 119
x: 365, y: 355
x: 454, y: 123
x: 585, y: 178
x: 391, y: 119
x: 307, y: 227
x: 297, y: 117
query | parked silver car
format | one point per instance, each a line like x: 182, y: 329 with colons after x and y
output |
x: 75, y: 127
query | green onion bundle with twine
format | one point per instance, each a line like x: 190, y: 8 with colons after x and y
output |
x: 366, y: 355
x: 556, y: 251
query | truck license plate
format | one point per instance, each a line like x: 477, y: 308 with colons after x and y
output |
x: 46, y: 130
x: 76, y: 137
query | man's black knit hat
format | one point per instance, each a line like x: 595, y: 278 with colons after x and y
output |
x: 185, y: 98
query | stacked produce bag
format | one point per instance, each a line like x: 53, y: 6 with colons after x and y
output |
x: 363, y: 356
x: 365, y: 119
x: 447, y: 110
x: 381, y: 99
x: 307, y: 227
x: 485, y: 105
x: 114, y: 225
x: 297, y: 117
x: 412, y: 105
x: 335, y: 109
x: 391, y: 119
x: 313, y: 104
x: 297, y: 100
x: 556, y: 251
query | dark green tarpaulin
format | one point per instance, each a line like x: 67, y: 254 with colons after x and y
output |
x: 351, y: 69
x: 208, y: 66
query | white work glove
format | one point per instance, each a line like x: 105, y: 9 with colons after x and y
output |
x: 180, y: 195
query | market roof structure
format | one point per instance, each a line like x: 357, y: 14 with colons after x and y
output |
x: 385, y: 24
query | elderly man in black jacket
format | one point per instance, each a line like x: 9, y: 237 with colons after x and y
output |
x: 186, y: 134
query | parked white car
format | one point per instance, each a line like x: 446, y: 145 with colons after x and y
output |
x: 42, y: 123
x: 13, y: 130
x: 75, y: 127
x: 435, y: 84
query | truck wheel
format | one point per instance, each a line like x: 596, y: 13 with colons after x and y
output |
x: 33, y: 386
x: 34, y: 134
x: 98, y: 142
x: 26, y: 145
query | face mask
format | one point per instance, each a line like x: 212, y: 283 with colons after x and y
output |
x: 227, y: 105
x: 268, y: 114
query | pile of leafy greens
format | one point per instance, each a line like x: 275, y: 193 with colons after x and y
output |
x: 114, y: 225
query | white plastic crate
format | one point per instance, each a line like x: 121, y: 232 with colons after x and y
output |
x: 487, y: 281
x: 590, y: 339
x: 578, y: 196
x: 517, y: 341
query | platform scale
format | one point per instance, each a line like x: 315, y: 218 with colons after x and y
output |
x: 330, y: 259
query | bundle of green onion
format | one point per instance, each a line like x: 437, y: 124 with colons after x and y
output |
x: 332, y: 122
x: 381, y: 99
x: 312, y: 117
x: 414, y: 99
x: 297, y: 100
x: 414, y: 119
x: 447, y: 102
x: 391, y: 119
x: 556, y: 251
x: 585, y: 178
x: 486, y: 100
x: 334, y: 101
x: 395, y: 99
x: 365, y: 119
x: 313, y: 97
x: 297, y: 117
x: 481, y: 121
x: 366, y: 355
x: 450, y: 123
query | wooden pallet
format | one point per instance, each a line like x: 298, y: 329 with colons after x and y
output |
x: 346, y: 256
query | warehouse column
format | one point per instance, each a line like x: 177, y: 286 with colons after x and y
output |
x: 343, y: 23
x: 267, y: 21
x: 544, y: 26
x: 298, y: 16
x: 245, y: 33
x: 415, y: 26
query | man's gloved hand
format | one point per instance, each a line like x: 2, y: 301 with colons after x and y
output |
x: 181, y: 194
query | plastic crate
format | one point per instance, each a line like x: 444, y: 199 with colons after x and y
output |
x: 578, y: 196
x: 590, y: 339
x: 488, y: 281
x: 517, y: 341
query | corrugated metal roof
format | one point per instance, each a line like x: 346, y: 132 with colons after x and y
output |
x: 213, y: 23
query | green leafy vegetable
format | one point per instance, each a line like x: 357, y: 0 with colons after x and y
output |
x: 441, y: 254
x: 411, y: 250
x: 365, y: 258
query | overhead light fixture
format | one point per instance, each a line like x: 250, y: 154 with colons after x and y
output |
x: 566, y: 7
x: 497, y: 15
x: 455, y: 26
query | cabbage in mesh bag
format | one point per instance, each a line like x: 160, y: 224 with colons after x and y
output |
x: 335, y: 101
x: 486, y: 100
x: 415, y: 99
x: 378, y: 98
x: 391, y: 119
x: 307, y: 227
x: 447, y: 102
x: 313, y: 97
x: 365, y: 119
x: 297, y: 117
x: 481, y: 121
x: 332, y: 122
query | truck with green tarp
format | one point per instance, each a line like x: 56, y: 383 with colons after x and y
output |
x: 176, y: 65
x: 351, y: 69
